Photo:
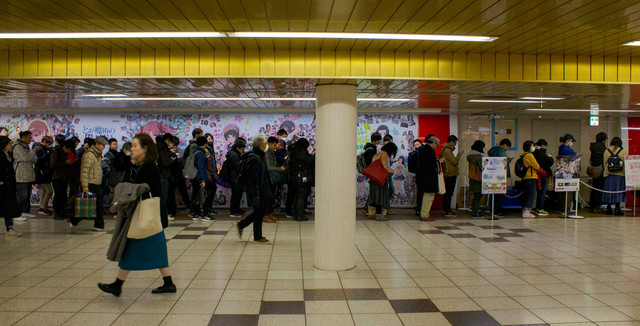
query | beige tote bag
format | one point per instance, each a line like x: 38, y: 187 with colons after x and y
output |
x: 145, y: 221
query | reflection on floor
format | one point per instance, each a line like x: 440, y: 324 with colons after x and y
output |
x: 448, y: 272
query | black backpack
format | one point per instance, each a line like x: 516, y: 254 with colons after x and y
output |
x: 520, y: 169
x: 615, y: 163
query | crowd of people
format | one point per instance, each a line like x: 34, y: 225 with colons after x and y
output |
x: 65, y: 170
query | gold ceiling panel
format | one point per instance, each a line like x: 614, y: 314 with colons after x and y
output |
x: 559, y: 27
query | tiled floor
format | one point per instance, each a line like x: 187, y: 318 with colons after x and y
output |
x: 447, y: 272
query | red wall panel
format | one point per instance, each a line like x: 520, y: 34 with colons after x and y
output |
x: 439, y: 126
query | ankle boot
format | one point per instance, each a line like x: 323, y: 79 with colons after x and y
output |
x: 111, y: 288
x: 371, y: 212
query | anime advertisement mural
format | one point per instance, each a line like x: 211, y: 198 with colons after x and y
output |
x: 226, y: 128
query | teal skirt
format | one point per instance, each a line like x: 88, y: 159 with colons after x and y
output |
x: 145, y: 254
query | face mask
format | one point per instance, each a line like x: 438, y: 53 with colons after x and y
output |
x: 127, y: 153
x: 570, y: 144
x: 532, y: 149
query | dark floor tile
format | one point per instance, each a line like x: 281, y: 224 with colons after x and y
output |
x: 430, y: 231
x: 462, y: 224
x: 196, y: 228
x: 470, y: 318
x: 282, y: 308
x: 521, y: 230
x: 215, y: 232
x: 323, y: 294
x: 413, y: 306
x: 461, y: 235
x: 447, y: 228
x: 365, y: 294
x: 509, y: 235
x: 489, y: 227
x: 186, y: 237
x: 235, y: 320
x: 494, y: 239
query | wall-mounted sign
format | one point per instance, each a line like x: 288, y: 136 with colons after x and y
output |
x: 594, y: 121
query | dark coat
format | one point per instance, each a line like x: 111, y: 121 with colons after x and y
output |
x: 164, y: 160
x: 122, y: 164
x: 300, y: 161
x: 597, y: 153
x: 148, y: 173
x: 370, y: 151
x: 544, y: 160
x: 427, y: 176
x: 44, y: 172
x: 8, y: 200
x: 59, y: 165
x: 256, y: 179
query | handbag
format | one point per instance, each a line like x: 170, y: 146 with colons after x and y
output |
x: 475, y: 173
x: 442, y: 188
x: 145, y: 221
x: 86, y: 205
x: 376, y: 172
x: 595, y: 171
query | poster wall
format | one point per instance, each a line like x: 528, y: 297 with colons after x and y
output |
x: 226, y: 128
x: 567, y: 176
x: 494, y: 175
x: 632, y: 171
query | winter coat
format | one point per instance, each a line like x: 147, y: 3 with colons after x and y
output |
x: 44, y: 173
x: 58, y: 163
x: 531, y: 165
x: 24, y: 160
x: 211, y: 158
x: 164, y: 160
x: 369, y: 151
x: 8, y: 200
x: 256, y: 180
x: 615, y: 150
x: 122, y: 164
x: 91, y: 167
x: 187, y: 151
x: 201, y: 165
x: 451, y: 161
x: 427, y: 176
x: 498, y: 151
x: 544, y: 160
x: 270, y: 158
x: 597, y: 153
x: 148, y: 173
x: 300, y: 161
x: 475, y: 158
x: 125, y: 200
x: 565, y: 150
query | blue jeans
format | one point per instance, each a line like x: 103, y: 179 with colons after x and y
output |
x: 529, y: 192
x: 541, y: 193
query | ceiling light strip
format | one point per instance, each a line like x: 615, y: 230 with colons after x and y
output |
x: 290, y: 35
x: 364, y: 99
x: 583, y: 110
x: 542, y: 98
x: 504, y: 101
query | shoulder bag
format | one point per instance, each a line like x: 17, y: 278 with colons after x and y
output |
x: 376, y: 172
x: 146, y: 220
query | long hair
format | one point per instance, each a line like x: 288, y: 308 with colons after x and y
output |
x: 147, y: 142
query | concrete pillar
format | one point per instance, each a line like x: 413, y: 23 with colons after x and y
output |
x: 335, y: 182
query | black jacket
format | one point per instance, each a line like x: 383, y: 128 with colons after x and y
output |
x: 370, y: 151
x: 427, y: 176
x: 58, y: 163
x: 122, y: 163
x: 256, y: 179
x: 44, y: 172
x: 544, y: 160
x: 148, y: 173
x: 597, y: 153
x: 300, y: 161
x: 164, y: 160
x: 8, y: 200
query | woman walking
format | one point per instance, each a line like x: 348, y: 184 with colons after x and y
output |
x: 475, y: 170
x: 380, y: 195
x: 8, y: 201
x: 148, y: 253
x: 614, y: 184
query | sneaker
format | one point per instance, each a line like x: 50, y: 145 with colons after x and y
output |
x: 427, y: 219
x: 380, y: 217
x: 541, y: 212
x: 450, y: 214
x: 171, y: 217
x: 239, y: 230
x: 476, y: 215
x: 527, y: 214
x: 195, y: 219
x: 213, y: 213
x: 288, y: 215
x: 207, y: 219
x: 28, y: 215
x: 44, y: 212
x: 98, y: 229
x: 71, y: 226
x: 262, y: 241
x: 235, y: 215
x: 11, y: 233
x: 21, y: 218
x: 389, y: 212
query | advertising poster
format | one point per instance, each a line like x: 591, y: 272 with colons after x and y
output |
x: 632, y: 171
x: 567, y: 173
x: 494, y: 175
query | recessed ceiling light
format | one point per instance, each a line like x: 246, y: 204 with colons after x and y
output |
x: 634, y: 43
x: 104, y: 95
x: 543, y: 98
x: 503, y: 101
x: 320, y: 35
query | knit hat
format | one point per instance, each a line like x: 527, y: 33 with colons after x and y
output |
x: 433, y: 139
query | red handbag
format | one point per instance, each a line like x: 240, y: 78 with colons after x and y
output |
x: 376, y: 172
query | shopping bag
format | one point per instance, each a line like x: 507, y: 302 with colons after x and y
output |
x: 86, y: 205
x: 376, y: 172
x: 145, y: 221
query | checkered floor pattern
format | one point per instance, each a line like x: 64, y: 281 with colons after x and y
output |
x: 449, y: 272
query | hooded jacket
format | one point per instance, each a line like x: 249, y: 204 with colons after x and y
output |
x: 24, y: 160
x: 450, y: 160
x: 91, y: 167
x: 597, y: 153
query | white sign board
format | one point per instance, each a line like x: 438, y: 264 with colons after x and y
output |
x: 632, y: 171
x: 567, y: 173
x: 494, y: 175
